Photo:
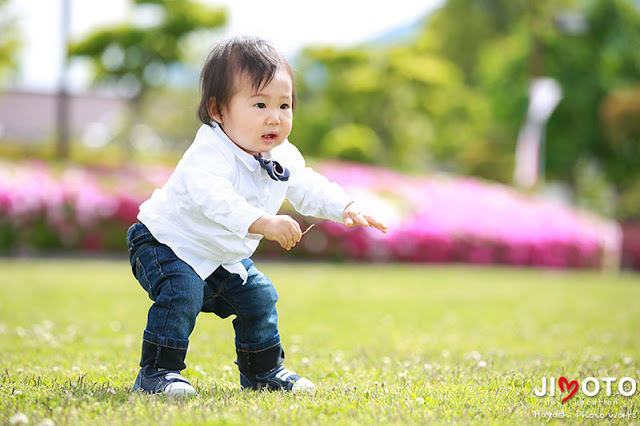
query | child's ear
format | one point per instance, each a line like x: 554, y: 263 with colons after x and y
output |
x: 214, y: 111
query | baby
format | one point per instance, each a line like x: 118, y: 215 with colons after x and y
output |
x: 192, y: 245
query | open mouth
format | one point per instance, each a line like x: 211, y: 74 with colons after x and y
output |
x: 270, y: 137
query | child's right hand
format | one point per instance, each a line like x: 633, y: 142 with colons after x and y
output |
x: 280, y: 228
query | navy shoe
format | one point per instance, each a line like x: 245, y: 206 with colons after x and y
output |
x: 279, y: 378
x: 166, y: 382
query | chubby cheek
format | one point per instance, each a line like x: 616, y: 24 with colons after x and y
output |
x: 286, y: 126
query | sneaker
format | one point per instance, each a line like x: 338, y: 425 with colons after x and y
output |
x: 279, y: 378
x: 167, y: 382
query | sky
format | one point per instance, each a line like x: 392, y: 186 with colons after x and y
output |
x: 287, y: 24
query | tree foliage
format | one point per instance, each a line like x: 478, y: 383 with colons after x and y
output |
x: 140, y: 56
x: 598, y: 70
x: 10, y: 40
x: 136, y: 57
x: 456, y: 96
x: 401, y: 96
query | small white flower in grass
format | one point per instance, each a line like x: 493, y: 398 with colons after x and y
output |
x: 627, y: 360
x: 305, y: 361
x: 47, y: 422
x: 419, y: 400
x: 129, y: 340
x: 482, y: 364
x: 19, y: 419
x: 474, y: 355
x: 386, y: 360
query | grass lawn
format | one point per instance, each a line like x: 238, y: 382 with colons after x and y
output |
x: 384, y: 344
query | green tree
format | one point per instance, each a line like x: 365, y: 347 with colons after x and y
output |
x: 399, y: 106
x: 591, y: 67
x: 10, y: 40
x: 138, y: 58
x: 456, y: 96
x: 589, y: 47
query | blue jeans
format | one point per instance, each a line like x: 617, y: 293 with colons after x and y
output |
x: 179, y: 295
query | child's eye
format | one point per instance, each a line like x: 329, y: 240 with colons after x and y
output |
x: 284, y: 106
x: 261, y: 105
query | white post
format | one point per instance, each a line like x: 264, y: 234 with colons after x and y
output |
x: 544, y: 95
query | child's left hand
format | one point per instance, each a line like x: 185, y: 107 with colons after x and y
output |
x: 353, y: 215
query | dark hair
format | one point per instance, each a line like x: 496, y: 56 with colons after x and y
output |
x: 230, y: 59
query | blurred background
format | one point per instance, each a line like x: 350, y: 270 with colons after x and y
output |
x: 482, y: 131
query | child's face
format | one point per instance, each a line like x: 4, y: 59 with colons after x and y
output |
x: 259, y: 120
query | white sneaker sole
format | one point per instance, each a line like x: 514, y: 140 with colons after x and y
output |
x: 303, y: 386
x: 179, y: 389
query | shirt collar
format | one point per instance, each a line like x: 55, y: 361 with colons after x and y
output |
x: 246, y: 158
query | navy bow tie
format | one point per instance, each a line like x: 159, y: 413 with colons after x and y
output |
x: 274, y: 169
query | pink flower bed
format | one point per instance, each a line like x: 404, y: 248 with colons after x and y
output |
x: 444, y: 219
x: 73, y: 208
x: 431, y: 219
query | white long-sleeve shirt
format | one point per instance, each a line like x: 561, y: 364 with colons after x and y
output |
x: 204, y: 211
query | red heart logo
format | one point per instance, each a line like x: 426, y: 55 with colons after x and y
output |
x: 565, y: 384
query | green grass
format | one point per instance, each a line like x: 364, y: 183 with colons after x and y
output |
x: 384, y: 344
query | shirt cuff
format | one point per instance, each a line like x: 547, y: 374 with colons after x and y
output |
x: 243, y: 220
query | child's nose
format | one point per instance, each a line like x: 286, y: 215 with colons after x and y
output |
x: 273, y: 118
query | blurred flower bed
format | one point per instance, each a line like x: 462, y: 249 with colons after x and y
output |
x: 431, y: 218
x: 44, y: 208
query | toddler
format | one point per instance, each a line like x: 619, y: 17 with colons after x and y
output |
x: 192, y: 245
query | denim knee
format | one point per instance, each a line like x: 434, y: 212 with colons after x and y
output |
x: 264, y: 302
